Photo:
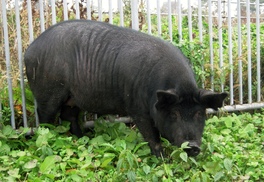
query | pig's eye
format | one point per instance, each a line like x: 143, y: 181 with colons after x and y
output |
x: 199, y: 114
x: 177, y: 115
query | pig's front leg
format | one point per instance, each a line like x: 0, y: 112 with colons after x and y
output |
x: 150, y: 134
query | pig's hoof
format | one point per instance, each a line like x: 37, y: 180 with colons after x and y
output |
x: 193, y: 151
x: 158, y: 151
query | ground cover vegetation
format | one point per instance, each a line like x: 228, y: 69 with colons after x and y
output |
x: 232, y: 150
x: 232, y: 147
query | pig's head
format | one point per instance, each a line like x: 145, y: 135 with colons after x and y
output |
x: 181, y: 119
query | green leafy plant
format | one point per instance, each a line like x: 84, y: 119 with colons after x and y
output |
x: 232, y: 150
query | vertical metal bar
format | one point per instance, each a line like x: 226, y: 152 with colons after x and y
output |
x: 77, y: 8
x: 190, y: 20
x: 30, y: 26
x: 53, y: 12
x: 240, y: 74
x: 20, y: 63
x: 169, y: 20
x: 220, y: 43
x: 179, y: 21
x: 120, y: 9
x: 249, y: 52
x: 158, y: 18
x: 8, y: 64
x: 200, y: 26
x: 258, y: 52
x: 65, y: 10
x: 100, y: 10
x: 200, y: 21
x: 134, y: 14
x: 110, y: 12
x: 230, y: 54
x: 148, y: 17
x: 89, y: 13
x: 41, y: 14
x: 211, y: 43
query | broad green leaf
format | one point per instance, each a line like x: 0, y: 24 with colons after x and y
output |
x: 229, y: 122
x: 132, y: 136
x: 226, y: 131
x: 141, y: 144
x: 31, y: 164
x: 14, y: 173
x: 97, y: 163
x: 4, y: 149
x: 131, y: 175
x: 108, y: 157
x: 132, y: 160
x: 184, y: 156
x: 76, y: 177
x: 63, y: 166
x: 218, y: 175
x: 49, y: 163
x: 97, y: 140
x: 8, y: 130
x: 228, y: 164
x: 146, y: 169
x: 160, y: 173
x: 167, y: 169
x: 212, y: 167
x: 41, y: 140
x: 185, y: 145
x: 249, y: 128
x: 61, y: 129
x: 210, y: 147
x: 83, y: 141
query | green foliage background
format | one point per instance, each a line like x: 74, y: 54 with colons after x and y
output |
x: 232, y: 150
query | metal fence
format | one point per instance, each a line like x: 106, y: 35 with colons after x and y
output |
x: 223, y: 38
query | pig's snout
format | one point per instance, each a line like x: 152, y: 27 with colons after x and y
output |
x: 194, y: 149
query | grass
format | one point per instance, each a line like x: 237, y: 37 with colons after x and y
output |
x: 232, y: 150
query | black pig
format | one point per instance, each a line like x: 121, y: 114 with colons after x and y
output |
x: 105, y: 69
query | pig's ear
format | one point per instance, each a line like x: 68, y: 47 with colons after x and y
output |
x: 212, y: 99
x: 166, y: 98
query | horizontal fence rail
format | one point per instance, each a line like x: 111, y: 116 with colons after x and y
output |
x: 223, y: 39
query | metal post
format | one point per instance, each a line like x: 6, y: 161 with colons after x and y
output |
x: 8, y: 64
x: 149, y: 17
x: 89, y: 13
x: 211, y: 43
x: 100, y: 10
x: 158, y: 18
x: 220, y: 43
x: 230, y: 54
x: 53, y: 12
x: 190, y: 21
x: 20, y: 63
x: 258, y: 52
x: 240, y: 71
x: 134, y: 14
x: 120, y: 9
x: 169, y: 19
x: 110, y: 12
x: 249, y: 52
x: 41, y: 14
x: 65, y: 10
x: 77, y: 8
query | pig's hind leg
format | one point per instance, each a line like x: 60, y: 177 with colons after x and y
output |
x: 70, y: 112
x: 49, y: 104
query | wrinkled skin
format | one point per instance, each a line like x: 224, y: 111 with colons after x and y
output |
x: 101, y: 68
